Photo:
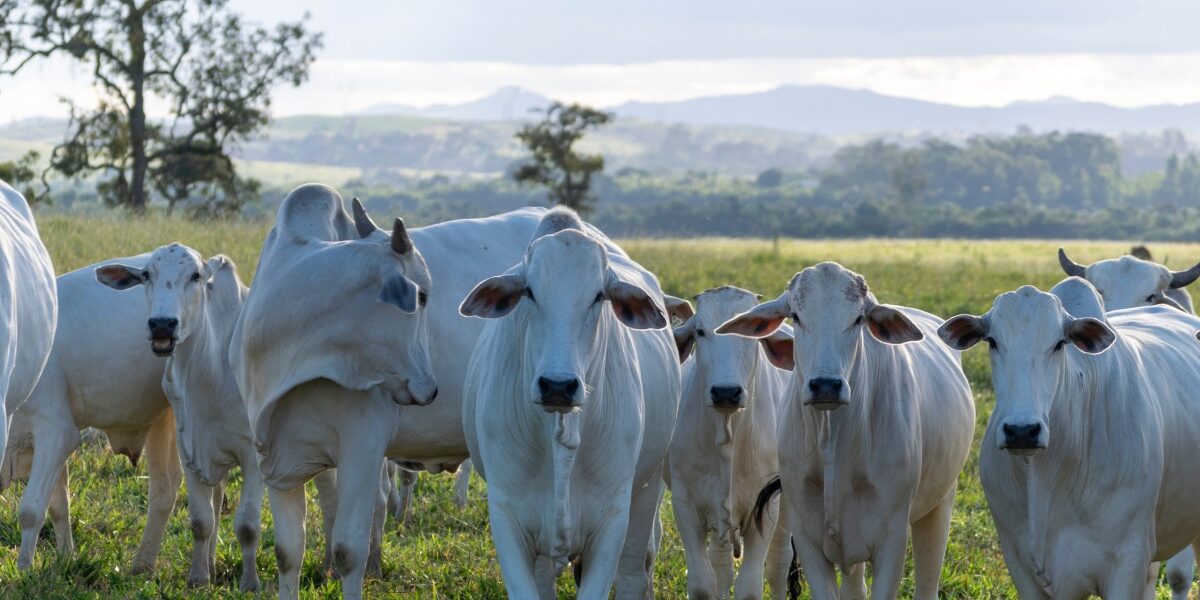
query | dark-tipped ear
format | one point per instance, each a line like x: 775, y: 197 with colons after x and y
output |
x: 685, y: 339
x: 890, y: 326
x: 778, y: 347
x: 119, y: 277
x: 400, y: 291
x: 633, y: 306
x: 679, y: 308
x: 493, y: 297
x: 1089, y: 335
x: 963, y: 331
x: 362, y: 221
x: 758, y: 322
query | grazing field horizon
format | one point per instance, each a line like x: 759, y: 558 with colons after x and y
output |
x: 444, y: 552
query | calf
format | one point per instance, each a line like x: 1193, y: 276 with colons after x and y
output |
x: 876, y: 426
x: 724, y: 449
x: 1090, y: 416
x: 570, y: 399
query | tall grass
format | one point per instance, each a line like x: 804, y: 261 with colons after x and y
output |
x: 442, y: 552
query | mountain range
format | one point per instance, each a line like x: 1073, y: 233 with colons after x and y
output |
x: 836, y: 111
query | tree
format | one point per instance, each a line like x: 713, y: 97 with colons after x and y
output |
x: 211, y: 69
x: 554, y: 163
x: 770, y: 178
x: 21, y: 174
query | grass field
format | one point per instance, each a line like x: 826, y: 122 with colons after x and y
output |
x: 442, y: 552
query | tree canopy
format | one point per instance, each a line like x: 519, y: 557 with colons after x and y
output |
x: 554, y: 162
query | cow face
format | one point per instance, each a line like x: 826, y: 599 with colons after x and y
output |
x: 563, y: 284
x: 725, y: 365
x: 176, y: 281
x: 1028, y: 333
x: 1128, y: 282
x: 830, y: 307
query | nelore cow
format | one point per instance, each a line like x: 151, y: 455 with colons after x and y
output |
x: 1093, y: 411
x: 571, y: 398
x: 99, y: 374
x: 191, y: 307
x: 875, y: 427
x: 723, y: 450
x: 333, y: 350
x: 1136, y: 281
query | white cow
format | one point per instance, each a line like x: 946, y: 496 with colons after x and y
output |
x: 28, y: 303
x: 724, y: 450
x: 1128, y: 282
x: 1090, y: 417
x: 192, y: 307
x: 314, y: 341
x: 570, y: 401
x: 876, y: 425
x: 99, y: 375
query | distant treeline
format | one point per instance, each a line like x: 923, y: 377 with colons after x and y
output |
x: 1026, y: 185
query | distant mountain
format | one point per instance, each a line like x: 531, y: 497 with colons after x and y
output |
x: 505, y: 104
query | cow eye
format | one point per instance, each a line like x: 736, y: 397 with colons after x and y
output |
x: 699, y: 333
x: 1150, y: 298
x: 991, y: 343
x: 529, y: 294
x: 146, y: 275
x: 599, y: 298
x: 858, y: 321
x: 195, y: 276
x: 1059, y: 345
x: 422, y: 298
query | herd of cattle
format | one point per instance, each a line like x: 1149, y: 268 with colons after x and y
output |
x: 819, y: 428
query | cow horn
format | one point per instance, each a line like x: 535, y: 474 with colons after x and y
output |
x: 362, y: 221
x: 400, y: 242
x: 1071, y: 267
x: 1182, y: 278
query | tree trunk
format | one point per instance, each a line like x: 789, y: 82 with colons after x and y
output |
x: 137, y: 111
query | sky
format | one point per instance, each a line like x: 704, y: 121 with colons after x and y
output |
x: 965, y: 52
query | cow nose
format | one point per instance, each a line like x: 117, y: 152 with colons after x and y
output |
x: 726, y: 396
x: 163, y: 325
x: 558, y: 392
x: 1022, y: 436
x: 825, y: 386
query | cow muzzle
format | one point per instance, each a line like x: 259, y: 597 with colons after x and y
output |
x: 726, y: 399
x: 827, y: 393
x: 558, y: 395
x: 164, y: 332
x: 1022, y: 439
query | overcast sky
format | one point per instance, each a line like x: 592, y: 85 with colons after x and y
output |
x: 961, y: 52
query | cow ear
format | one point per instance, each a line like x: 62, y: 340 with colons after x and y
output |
x: 633, y: 306
x: 685, y: 339
x: 215, y: 264
x: 679, y: 308
x: 1089, y: 335
x: 963, y: 332
x: 778, y: 347
x: 494, y: 297
x: 760, y: 321
x: 890, y: 326
x: 1161, y: 298
x: 119, y: 277
x: 399, y: 291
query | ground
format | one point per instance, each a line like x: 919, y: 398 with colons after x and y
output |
x: 442, y: 552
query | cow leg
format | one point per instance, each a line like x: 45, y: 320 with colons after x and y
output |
x: 326, y: 483
x: 887, y: 562
x: 51, y: 446
x: 218, y: 502
x: 720, y: 554
x: 930, y: 535
x: 462, y: 484
x: 854, y: 583
x: 287, y: 508
x: 378, y: 520
x: 1019, y: 568
x: 405, y: 489
x: 1129, y: 577
x: 605, y: 552
x: 165, y: 475
x: 60, y: 514
x: 749, y: 583
x: 203, y: 523
x: 701, y: 580
x: 546, y: 574
x: 515, y: 557
x: 1180, y: 569
x: 779, y: 559
x: 248, y: 521
x: 352, y: 530
x: 635, y: 566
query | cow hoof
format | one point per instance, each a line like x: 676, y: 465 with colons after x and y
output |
x: 249, y: 584
x: 141, y: 568
x: 197, y: 582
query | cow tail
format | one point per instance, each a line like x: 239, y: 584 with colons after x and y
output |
x: 793, y: 578
x: 774, y: 486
